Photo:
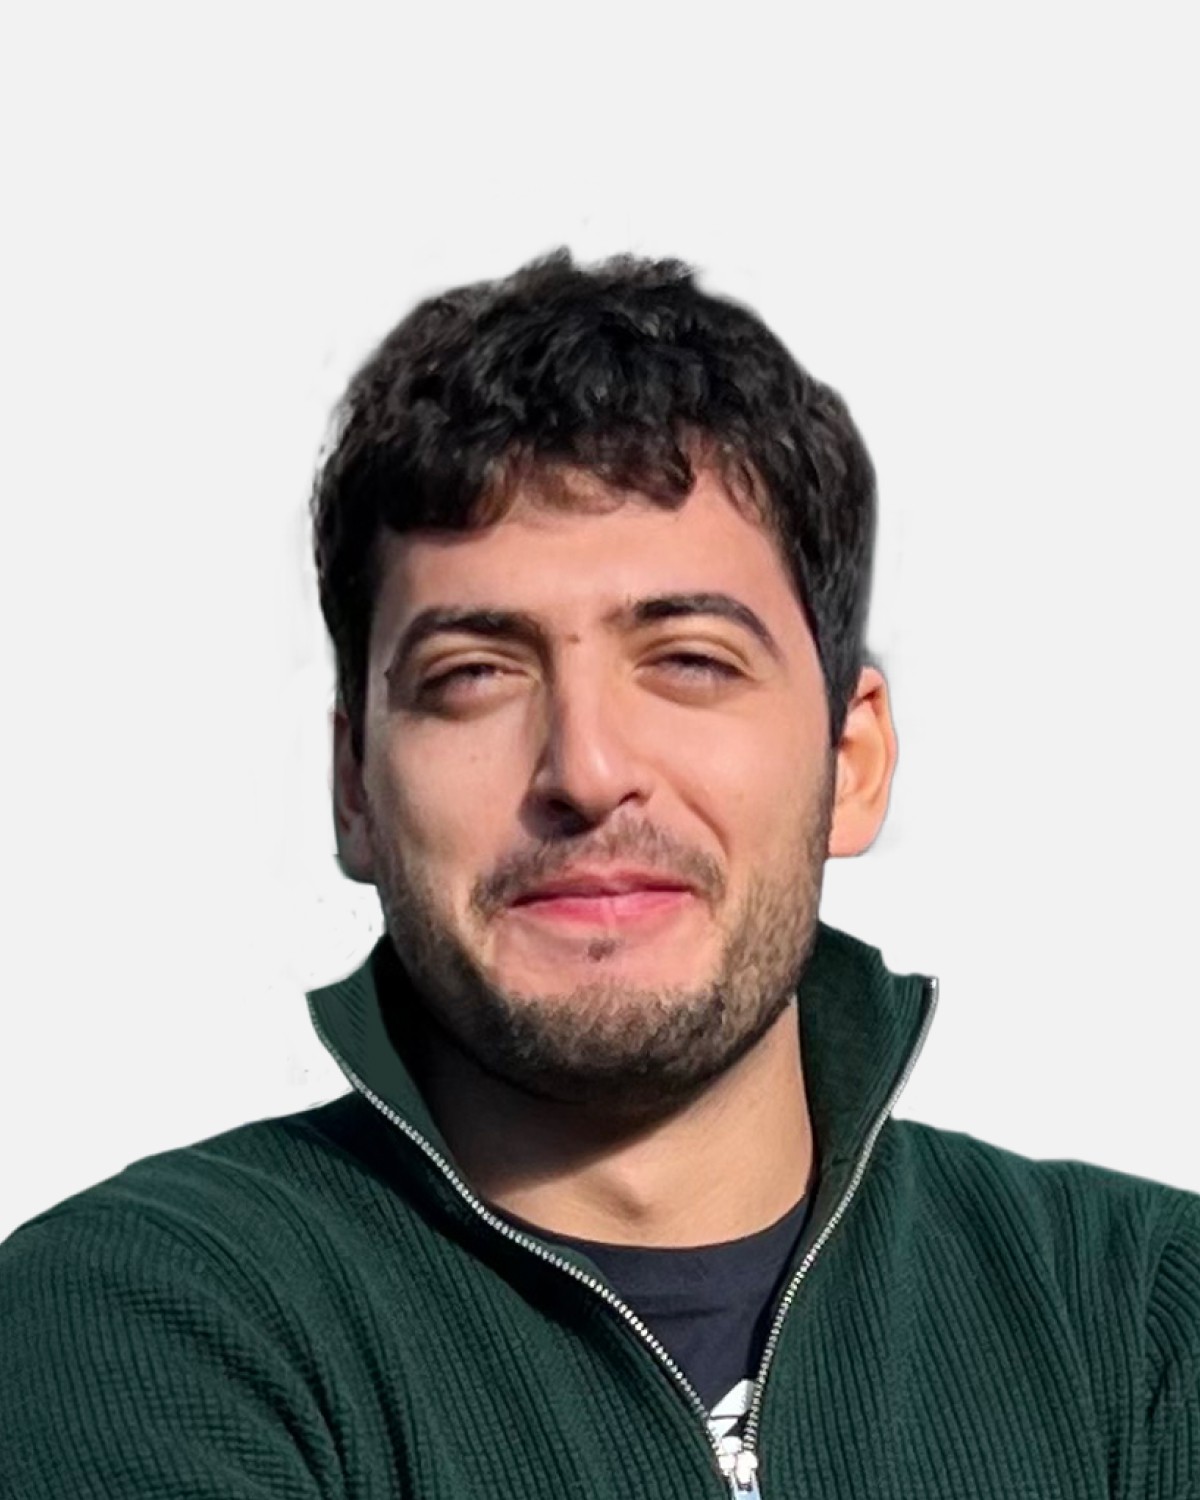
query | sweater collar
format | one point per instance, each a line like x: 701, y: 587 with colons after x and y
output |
x: 861, y: 1029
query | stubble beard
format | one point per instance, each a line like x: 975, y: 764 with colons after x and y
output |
x: 633, y: 1049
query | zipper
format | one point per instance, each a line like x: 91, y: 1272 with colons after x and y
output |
x: 513, y: 1234
x: 754, y: 1418
x: 740, y: 1470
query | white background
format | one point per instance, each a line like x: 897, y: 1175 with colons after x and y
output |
x: 978, y: 221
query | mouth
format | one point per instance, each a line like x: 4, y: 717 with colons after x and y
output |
x: 607, y: 900
x: 629, y: 906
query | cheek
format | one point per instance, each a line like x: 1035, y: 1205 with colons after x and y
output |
x: 763, y: 790
x: 442, y: 805
x: 745, y: 780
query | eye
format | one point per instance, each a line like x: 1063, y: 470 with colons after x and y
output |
x: 466, y: 674
x: 696, y: 666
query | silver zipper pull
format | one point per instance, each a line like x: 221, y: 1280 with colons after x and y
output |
x: 741, y: 1469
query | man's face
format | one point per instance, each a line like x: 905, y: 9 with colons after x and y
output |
x: 596, y: 804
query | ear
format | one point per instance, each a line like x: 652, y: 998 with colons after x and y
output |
x: 866, y: 761
x: 351, y: 824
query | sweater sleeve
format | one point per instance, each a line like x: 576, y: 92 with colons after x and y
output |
x: 134, y: 1367
x: 1174, y: 1335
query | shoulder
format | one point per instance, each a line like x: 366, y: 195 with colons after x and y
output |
x: 1115, y: 1250
x: 234, y: 1199
x: 250, y: 1233
x: 1066, y: 1201
x: 170, y: 1317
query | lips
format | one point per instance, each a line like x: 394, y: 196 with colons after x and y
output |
x: 641, y: 910
x: 638, y: 904
x: 584, y: 886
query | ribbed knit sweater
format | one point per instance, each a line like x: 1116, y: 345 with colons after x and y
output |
x: 318, y: 1306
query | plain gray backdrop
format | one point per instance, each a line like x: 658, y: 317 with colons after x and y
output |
x: 978, y: 222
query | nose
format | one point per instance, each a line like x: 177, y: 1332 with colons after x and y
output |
x: 588, y: 763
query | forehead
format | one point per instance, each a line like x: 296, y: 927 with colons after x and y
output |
x: 573, y: 563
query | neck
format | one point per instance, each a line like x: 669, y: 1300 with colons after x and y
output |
x: 728, y: 1163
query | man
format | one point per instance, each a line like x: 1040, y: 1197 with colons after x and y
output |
x: 616, y: 1205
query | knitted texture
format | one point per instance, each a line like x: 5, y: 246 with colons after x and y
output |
x: 310, y: 1307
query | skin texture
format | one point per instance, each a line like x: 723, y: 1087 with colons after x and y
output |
x: 628, y: 1070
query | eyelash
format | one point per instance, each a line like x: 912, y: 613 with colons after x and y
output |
x: 694, y: 664
x: 706, y: 666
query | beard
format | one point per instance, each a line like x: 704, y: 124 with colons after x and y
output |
x: 635, y: 1050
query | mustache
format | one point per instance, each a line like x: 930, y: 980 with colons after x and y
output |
x: 640, y: 843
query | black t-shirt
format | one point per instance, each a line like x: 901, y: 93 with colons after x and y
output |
x: 710, y: 1307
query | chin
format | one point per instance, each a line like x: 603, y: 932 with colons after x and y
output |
x: 600, y: 963
x: 532, y: 957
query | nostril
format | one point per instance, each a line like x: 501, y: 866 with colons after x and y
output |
x: 568, y: 817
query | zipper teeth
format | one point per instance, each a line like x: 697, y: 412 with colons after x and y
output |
x: 511, y: 1233
x: 750, y: 1436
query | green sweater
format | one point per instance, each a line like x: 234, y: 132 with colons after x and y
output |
x: 318, y: 1306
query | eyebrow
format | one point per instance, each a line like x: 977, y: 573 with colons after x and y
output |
x: 724, y: 606
x: 516, y: 625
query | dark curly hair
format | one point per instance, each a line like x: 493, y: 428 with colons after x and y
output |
x: 625, y: 370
